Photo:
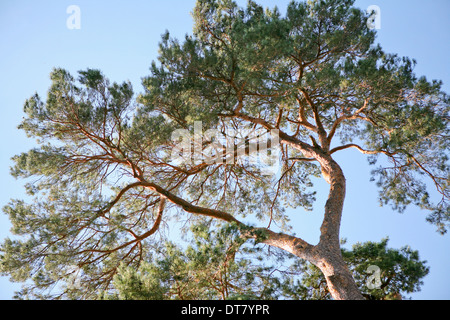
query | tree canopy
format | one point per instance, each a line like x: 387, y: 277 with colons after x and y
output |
x: 104, y: 183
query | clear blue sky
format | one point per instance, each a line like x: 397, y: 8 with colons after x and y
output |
x: 121, y: 38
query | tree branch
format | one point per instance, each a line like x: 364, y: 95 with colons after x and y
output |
x: 352, y: 145
x: 343, y: 118
x: 320, y: 129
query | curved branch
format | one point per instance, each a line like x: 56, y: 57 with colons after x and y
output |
x: 302, y: 159
x: 187, y: 206
x: 110, y: 205
x: 158, y: 220
x: 155, y: 228
x: 352, y: 145
x: 351, y: 117
x: 292, y: 244
x: 391, y: 154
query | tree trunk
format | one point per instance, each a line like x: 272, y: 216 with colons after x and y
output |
x: 340, y: 281
x: 328, y: 259
x: 327, y: 254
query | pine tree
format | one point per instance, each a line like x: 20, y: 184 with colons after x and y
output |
x: 103, y: 179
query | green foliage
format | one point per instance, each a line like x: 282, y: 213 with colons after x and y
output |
x: 401, y: 270
x: 215, y: 265
x: 212, y: 268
